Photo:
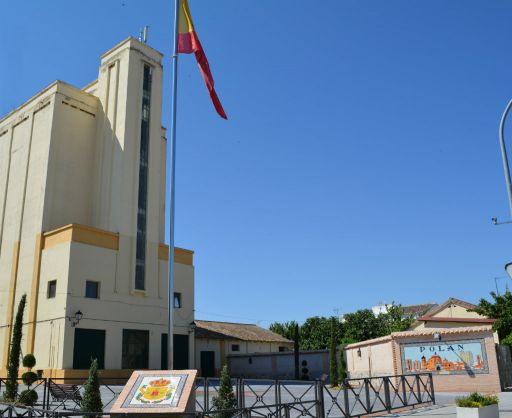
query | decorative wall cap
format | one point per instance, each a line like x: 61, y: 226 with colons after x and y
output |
x: 454, y: 319
x: 422, y: 333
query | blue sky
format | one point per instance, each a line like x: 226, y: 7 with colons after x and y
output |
x: 360, y: 163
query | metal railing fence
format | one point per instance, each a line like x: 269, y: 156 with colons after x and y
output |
x: 372, y: 395
x: 262, y: 398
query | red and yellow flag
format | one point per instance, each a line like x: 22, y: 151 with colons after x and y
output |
x: 188, y: 42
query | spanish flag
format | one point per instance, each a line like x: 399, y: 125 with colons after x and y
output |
x: 188, y: 42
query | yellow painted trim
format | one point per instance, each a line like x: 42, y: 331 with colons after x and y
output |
x: 12, y: 297
x: 181, y: 255
x: 106, y: 239
x: 83, y: 234
x: 34, y: 296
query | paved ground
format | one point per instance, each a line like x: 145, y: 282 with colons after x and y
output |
x: 445, y: 407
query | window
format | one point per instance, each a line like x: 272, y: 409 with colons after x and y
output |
x: 235, y: 347
x: 140, y: 251
x: 52, y: 289
x: 177, y: 300
x: 135, y: 351
x: 92, y: 290
x: 282, y: 349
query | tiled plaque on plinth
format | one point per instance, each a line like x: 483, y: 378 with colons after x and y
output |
x: 157, y: 393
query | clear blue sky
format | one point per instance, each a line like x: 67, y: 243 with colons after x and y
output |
x: 360, y: 162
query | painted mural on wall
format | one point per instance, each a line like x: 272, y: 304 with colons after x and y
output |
x: 450, y: 357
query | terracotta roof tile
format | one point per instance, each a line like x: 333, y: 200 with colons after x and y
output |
x: 415, y: 310
x: 421, y: 333
x: 236, y: 331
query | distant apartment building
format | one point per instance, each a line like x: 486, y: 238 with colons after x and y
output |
x: 82, y: 190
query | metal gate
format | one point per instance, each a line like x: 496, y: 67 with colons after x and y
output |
x: 504, y: 357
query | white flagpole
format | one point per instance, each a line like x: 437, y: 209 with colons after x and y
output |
x: 172, y: 184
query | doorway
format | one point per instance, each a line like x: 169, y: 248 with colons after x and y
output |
x: 89, y: 344
x: 180, y: 355
x: 208, y: 363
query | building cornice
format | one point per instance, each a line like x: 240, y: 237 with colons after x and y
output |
x: 105, y: 239
x: 55, y: 87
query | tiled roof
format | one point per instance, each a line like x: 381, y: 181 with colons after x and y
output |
x: 416, y: 310
x: 454, y: 319
x: 422, y: 333
x: 450, y: 301
x: 236, y: 331
x: 442, y: 331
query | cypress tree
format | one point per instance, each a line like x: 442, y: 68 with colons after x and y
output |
x: 333, y: 357
x: 91, y: 401
x: 13, y: 366
x: 296, y: 350
x: 226, y: 399
x: 343, y: 364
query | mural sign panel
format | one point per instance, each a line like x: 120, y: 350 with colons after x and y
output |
x: 445, y: 357
x: 161, y: 392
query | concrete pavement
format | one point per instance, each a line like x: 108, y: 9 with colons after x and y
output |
x: 445, y: 407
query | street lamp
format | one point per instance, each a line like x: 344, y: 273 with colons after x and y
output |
x: 76, y: 318
x: 504, y: 158
x: 508, y: 269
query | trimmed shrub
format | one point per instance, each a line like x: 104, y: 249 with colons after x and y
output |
x: 29, y: 361
x: 476, y: 400
x: 29, y: 378
x: 28, y: 397
x: 91, y: 401
x: 226, y: 400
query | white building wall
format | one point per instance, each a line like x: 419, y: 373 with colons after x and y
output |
x: 72, y: 157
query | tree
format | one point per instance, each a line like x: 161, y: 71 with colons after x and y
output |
x: 285, y: 329
x: 333, y: 358
x: 500, y: 309
x: 342, y: 374
x: 296, y: 342
x: 91, y: 401
x: 11, y: 384
x: 394, y: 320
x: 315, y: 333
x: 362, y: 325
x: 226, y: 401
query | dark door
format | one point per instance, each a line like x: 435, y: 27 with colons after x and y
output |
x: 180, y: 355
x: 181, y: 352
x: 135, y: 349
x: 89, y: 344
x: 163, y: 357
x: 208, y: 363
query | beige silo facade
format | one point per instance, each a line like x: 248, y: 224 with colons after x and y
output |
x: 82, y: 199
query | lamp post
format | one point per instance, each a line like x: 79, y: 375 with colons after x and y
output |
x: 504, y: 157
x: 506, y: 169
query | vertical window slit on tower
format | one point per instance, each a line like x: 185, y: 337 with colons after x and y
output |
x: 140, y: 264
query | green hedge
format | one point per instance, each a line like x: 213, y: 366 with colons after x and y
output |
x: 476, y: 400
